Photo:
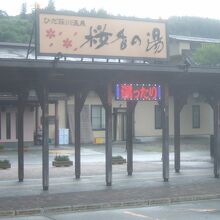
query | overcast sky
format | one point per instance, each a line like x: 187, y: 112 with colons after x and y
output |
x: 139, y: 8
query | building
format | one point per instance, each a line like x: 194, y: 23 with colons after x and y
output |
x: 196, y: 115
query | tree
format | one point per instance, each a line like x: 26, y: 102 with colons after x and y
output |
x: 93, y: 12
x: 194, y: 26
x: 15, y: 30
x: 208, y: 54
x: 50, y: 6
x: 3, y: 13
x: 23, y: 10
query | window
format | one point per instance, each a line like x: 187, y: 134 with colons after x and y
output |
x: 8, y: 125
x: 98, y: 117
x: 196, y: 116
x: 157, y: 110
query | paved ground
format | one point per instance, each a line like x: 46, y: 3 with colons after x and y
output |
x: 191, y: 210
x: 146, y: 186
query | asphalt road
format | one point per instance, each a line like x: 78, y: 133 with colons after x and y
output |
x: 209, y: 209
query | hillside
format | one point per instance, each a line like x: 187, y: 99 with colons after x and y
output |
x: 18, y: 28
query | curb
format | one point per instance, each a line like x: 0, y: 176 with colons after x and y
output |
x: 98, y: 206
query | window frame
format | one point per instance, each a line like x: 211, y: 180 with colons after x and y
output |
x: 196, y: 108
x: 100, y: 118
x: 8, y: 125
x: 156, y: 115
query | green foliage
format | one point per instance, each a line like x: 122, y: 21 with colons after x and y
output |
x: 3, y: 13
x: 117, y: 157
x: 23, y: 10
x: 62, y: 158
x: 15, y: 29
x: 208, y: 54
x: 194, y: 26
x: 51, y: 6
x: 93, y: 12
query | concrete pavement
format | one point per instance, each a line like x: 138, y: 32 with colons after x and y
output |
x: 189, y: 210
x: 145, y: 187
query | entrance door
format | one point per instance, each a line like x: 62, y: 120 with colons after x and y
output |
x: 119, y: 124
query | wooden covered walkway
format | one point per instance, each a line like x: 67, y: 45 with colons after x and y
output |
x: 78, y: 78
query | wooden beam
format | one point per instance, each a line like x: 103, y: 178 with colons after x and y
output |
x: 165, y: 131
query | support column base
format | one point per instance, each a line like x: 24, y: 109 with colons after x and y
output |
x: 129, y: 173
x: 77, y: 176
x: 177, y: 170
x: 165, y: 179
x: 21, y: 180
x: 45, y: 188
x: 108, y: 184
x: 216, y: 175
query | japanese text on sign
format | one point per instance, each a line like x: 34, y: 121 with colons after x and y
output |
x: 73, y: 35
x: 143, y: 92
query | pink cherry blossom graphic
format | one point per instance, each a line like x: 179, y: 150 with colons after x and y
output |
x: 50, y: 33
x: 67, y: 43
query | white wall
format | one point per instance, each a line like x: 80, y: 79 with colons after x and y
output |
x: 28, y: 125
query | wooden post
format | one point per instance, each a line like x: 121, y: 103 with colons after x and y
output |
x: 216, y: 110
x: 214, y: 102
x: 176, y: 136
x: 105, y: 95
x: 45, y: 128
x: 179, y: 102
x: 115, y: 124
x: 36, y: 119
x: 77, y: 136
x: 165, y: 131
x: 56, y: 124
x: 22, y: 97
x: 108, y: 144
x: 80, y: 98
x: 129, y: 135
x: 42, y: 92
